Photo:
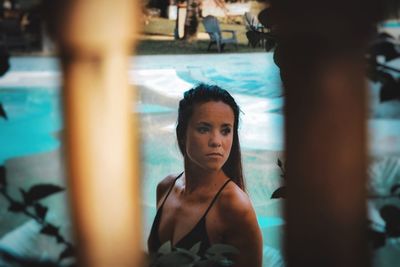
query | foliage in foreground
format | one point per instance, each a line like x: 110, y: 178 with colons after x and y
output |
x: 29, y: 205
x: 216, y: 255
x: 389, y: 213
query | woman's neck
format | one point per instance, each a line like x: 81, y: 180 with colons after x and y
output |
x: 197, y: 178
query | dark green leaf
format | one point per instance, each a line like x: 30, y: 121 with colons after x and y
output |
x: 188, y: 253
x: 280, y: 163
x: 50, y: 230
x: 196, y: 248
x: 60, y: 239
x: 377, y: 239
x: 16, y: 206
x: 205, y: 263
x: 3, y: 179
x: 218, y: 254
x: 23, y: 194
x: 165, y: 248
x: 38, y: 192
x: 175, y: 258
x: 389, y: 90
x: 68, y: 252
x: 394, y: 188
x: 282, y: 167
x: 40, y: 210
x: 281, y: 192
x: 391, y: 215
x: 3, y: 112
x: 389, y: 212
x: 225, y: 262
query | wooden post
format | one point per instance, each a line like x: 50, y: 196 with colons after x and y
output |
x: 321, y: 58
x: 95, y: 38
x: 326, y: 167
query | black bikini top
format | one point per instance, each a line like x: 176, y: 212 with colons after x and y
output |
x: 197, y: 234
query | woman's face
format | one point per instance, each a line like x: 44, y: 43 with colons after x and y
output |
x: 209, y: 135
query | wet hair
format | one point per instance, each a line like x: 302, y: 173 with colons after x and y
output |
x: 204, y: 93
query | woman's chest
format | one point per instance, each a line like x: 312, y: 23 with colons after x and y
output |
x: 182, y: 218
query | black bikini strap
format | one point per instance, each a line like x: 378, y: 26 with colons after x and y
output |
x: 170, y: 189
x: 215, y: 197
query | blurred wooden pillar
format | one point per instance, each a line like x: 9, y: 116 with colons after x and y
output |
x: 95, y: 38
x: 326, y: 167
x: 320, y: 55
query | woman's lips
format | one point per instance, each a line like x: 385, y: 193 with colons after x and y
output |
x: 214, y: 155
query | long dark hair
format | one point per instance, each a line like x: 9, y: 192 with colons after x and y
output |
x: 204, y: 93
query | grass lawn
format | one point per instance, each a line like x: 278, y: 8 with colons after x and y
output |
x: 158, y: 38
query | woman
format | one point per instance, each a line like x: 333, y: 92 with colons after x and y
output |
x: 207, y: 203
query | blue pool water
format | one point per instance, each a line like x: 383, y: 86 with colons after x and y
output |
x: 30, y: 91
x: 33, y: 117
x: 391, y: 24
x: 30, y: 94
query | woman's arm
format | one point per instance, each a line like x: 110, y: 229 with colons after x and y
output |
x: 241, y: 228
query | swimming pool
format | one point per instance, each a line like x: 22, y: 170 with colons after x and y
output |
x: 31, y: 149
x: 30, y: 93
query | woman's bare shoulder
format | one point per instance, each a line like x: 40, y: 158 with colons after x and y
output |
x: 164, y: 185
x: 234, y: 204
x: 239, y: 226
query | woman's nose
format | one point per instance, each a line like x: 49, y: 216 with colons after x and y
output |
x: 215, y: 140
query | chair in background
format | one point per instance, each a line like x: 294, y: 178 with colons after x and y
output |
x: 254, y: 30
x: 257, y: 33
x: 211, y: 25
x: 251, y: 22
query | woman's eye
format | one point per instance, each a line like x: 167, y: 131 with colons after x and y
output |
x: 226, y: 131
x: 202, y: 129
